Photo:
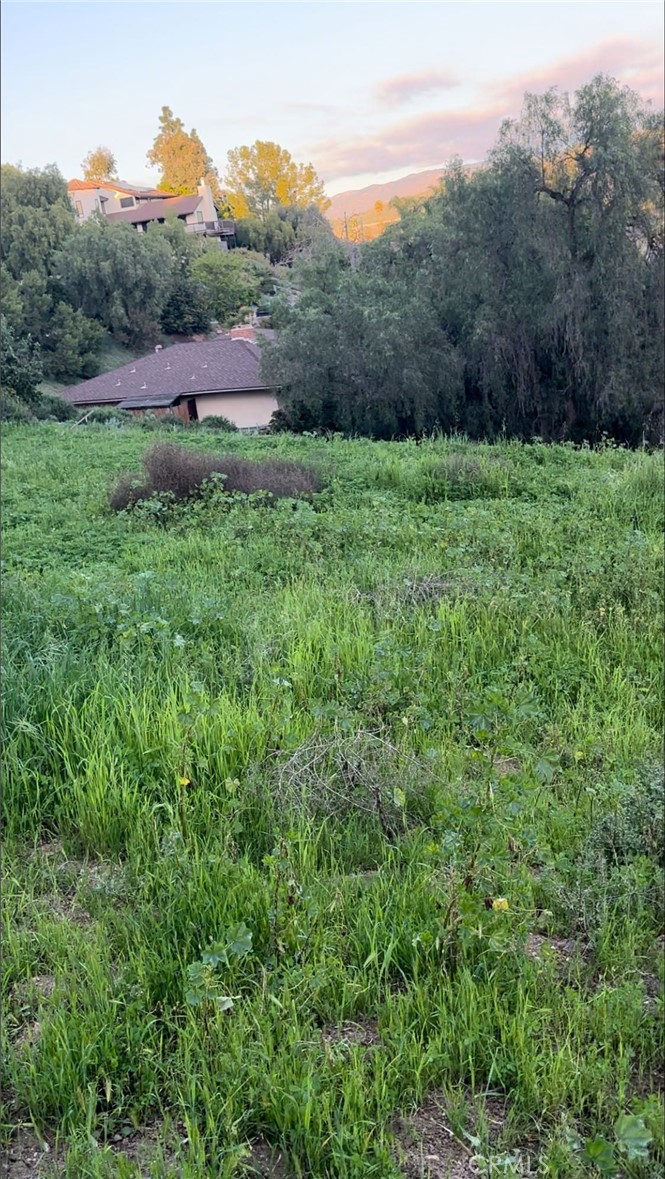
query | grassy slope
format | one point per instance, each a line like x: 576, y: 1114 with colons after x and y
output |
x: 502, y: 634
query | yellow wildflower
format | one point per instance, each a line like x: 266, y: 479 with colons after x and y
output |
x: 500, y: 903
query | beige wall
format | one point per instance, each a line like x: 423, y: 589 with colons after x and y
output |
x: 90, y: 199
x: 245, y: 410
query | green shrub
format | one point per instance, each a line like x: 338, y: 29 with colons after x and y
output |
x: 106, y: 415
x: 219, y: 422
x: 54, y: 408
x: 12, y: 409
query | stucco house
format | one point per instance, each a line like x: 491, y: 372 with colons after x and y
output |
x: 118, y: 201
x: 193, y: 381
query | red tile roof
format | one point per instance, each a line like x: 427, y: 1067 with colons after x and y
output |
x: 215, y: 366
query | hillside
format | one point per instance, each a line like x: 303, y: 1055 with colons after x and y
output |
x: 368, y: 209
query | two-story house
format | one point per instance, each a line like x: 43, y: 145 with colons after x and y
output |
x: 140, y: 206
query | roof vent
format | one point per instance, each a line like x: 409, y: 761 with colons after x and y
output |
x: 118, y: 382
x: 158, y: 347
x: 132, y: 370
x: 169, y: 364
x: 205, y: 364
x: 144, y: 386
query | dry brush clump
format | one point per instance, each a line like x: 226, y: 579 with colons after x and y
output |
x: 364, y: 772
x: 184, y: 474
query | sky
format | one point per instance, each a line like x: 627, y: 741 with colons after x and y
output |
x: 366, y: 92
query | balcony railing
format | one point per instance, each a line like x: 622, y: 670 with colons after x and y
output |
x: 212, y: 228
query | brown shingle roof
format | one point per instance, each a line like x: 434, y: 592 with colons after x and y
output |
x: 153, y: 210
x: 214, y: 366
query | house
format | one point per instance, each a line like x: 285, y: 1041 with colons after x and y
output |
x: 194, y: 381
x: 118, y: 201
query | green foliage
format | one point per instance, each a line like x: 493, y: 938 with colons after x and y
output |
x: 233, y: 281
x: 117, y: 276
x: 187, y: 309
x: 526, y: 299
x: 54, y: 408
x: 20, y: 365
x: 38, y: 220
x: 411, y: 739
x: 219, y: 422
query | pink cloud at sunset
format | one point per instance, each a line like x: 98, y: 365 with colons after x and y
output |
x: 429, y: 139
x: 394, y: 91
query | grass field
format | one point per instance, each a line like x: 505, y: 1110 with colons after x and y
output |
x: 333, y: 831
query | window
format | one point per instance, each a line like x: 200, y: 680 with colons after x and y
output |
x: 126, y: 202
x: 199, y: 215
x: 79, y: 209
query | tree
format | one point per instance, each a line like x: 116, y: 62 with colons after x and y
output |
x: 99, y: 164
x: 20, y: 365
x: 233, y: 281
x: 264, y: 177
x: 182, y: 158
x: 526, y: 299
x: 187, y: 309
x: 38, y: 220
x: 118, y: 277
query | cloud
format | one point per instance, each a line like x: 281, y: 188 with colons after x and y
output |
x: 429, y: 140
x: 633, y: 62
x: 422, y: 142
x: 395, y: 91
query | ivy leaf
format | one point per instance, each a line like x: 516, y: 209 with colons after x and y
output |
x: 239, y: 940
x: 632, y: 1136
x: 194, y: 998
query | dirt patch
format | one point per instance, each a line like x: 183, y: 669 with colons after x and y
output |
x: 504, y: 766
x: 563, y: 950
x: 365, y: 1034
x: 143, y: 1146
x: 653, y: 992
x: 427, y: 1148
x: 266, y: 1162
x: 27, y: 1157
x: 28, y: 1034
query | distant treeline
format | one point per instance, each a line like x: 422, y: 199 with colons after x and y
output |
x: 526, y: 299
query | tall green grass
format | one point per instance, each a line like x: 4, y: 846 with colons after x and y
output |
x: 350, y: 724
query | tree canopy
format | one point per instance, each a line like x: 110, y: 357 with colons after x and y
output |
x: 118, y: 277
x: 37, y: 221
x: 181, y: 157
x: 100, y: 164
x: 233, y: 280
x: 526, y: 299
x: 264, y: 177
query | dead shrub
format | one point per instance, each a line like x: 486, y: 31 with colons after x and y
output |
x: 183, y: 474
x: 341, y: 774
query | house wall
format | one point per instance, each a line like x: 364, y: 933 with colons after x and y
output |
x: 245, y: 410
x: 90, y: 200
